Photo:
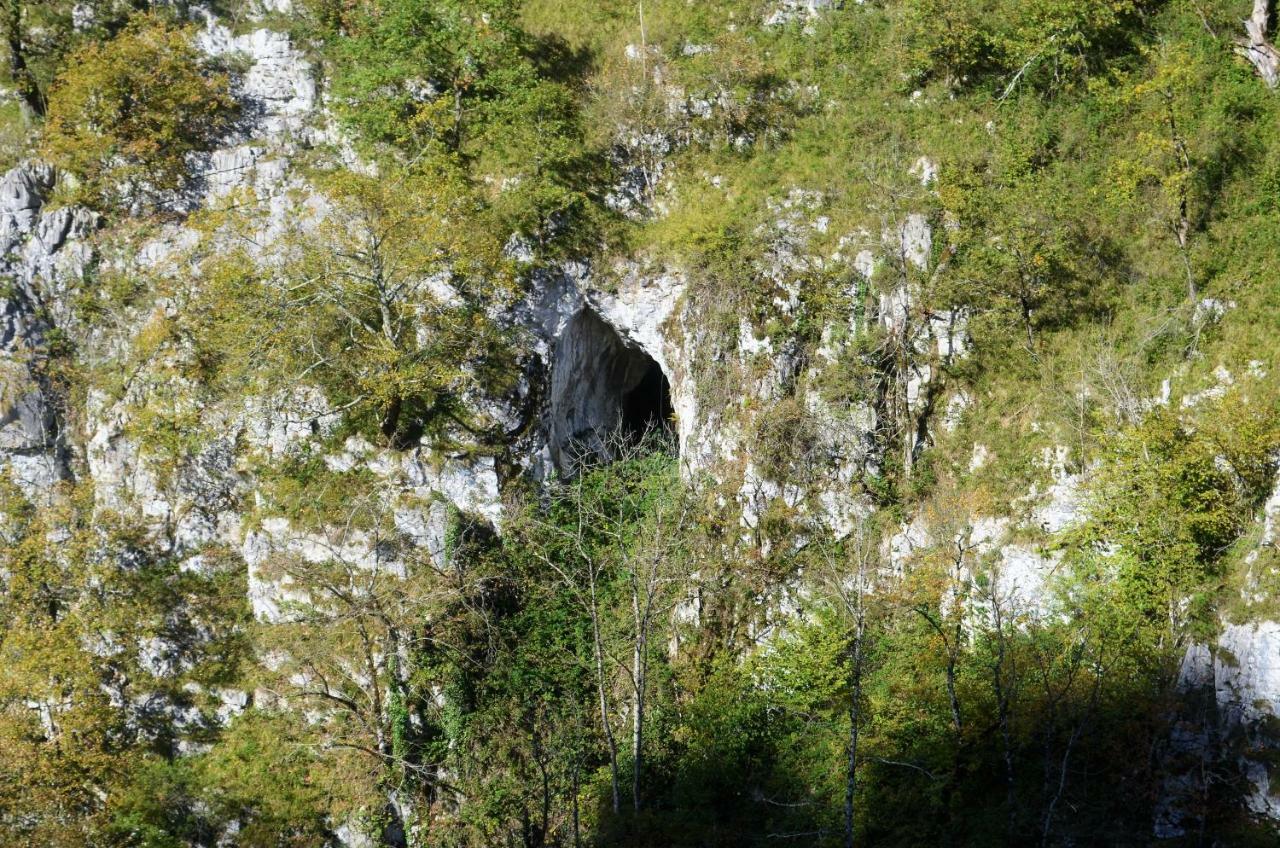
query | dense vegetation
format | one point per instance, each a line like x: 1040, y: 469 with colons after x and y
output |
x: 623, y: 663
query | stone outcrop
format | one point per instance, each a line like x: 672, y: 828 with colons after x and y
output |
x: 607, y: 350
x: 43, y: 258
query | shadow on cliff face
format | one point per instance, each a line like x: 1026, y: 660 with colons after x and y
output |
x: 606, y: 397
x: 1086, y: 762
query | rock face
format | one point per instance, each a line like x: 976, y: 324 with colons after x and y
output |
x: 1246, y: 685
x: 611, y: 354
x: 279, y: 90
x: 611, y: 366
x: 611, y: 351
x: 616, y: 349
x: 201, y: 501
x: 797, y: 10
x: 1233, y: 685
x: 1228, y: 724
x: 42, y: 259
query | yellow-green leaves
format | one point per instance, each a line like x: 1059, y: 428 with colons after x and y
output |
x: 382, y: 301
x: 1173, y: 494
x: 124, y: 114
x: 1045, y: 44
x: 104, y: 639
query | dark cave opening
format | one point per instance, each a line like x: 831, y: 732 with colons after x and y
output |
x: 607, y: 395
x: 646, y: 409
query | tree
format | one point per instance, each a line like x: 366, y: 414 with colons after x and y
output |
x: 1255, y: 47
x: 464, y: 80
x: 942, y: 600
x: 1169, y: 154
x: 614, y: 538
x: 384, y: 303
x: 851, y: 581
x: 360, y: 642
x: 37, y: 36
x: 1047, y: 44
x: 997, y: 630
x: 527, y: 746
x: 1163, y: 510
x: 16, y: 35
x: 946, y: 40
x: 105, y: 640
x: 265, y: 776
x: 420, y: 75
x: 1171, y: 498
x: 654, y: 567
x: 124, y: 115
x: 1025, y: 259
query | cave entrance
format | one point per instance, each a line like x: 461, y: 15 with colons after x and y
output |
x: 646, y: 409
x: 606, y: 396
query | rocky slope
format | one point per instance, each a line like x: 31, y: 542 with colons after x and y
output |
x: 604, y: 344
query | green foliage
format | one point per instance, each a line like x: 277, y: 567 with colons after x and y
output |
x: 15, y: 135
x: 1043, y: 44
x: 1171, y: 499
x: 417, y: 74
x: 103, y: 635
x: 1027, y: 260
x: 38, y: 37
x: 384, y: 304
x: 1101, y: 166
x: 263, y: 774
x: 124, y: 114
x: 465, y: 80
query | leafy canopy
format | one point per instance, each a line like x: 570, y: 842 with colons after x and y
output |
x: 125, y: 114
x: 383, y: 303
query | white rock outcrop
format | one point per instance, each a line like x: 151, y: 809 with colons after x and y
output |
x: 43, y: 258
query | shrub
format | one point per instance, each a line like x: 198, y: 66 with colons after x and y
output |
x: 125, y: 114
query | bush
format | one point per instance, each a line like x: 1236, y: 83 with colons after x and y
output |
x: 125, y: 114
x: 1046, y: 43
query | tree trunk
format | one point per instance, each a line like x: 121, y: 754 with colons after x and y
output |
x: 957, y: 759
x: 1182, y: 232
x: 1182, y: 227
x: 390, y: 422
x: 1024, y: 305
x: 1061, y: 787
x: 952, y: 645
x: 577, y: 818
x: 638, y: 675
x: 855, y: 703
x: 604, y: 701
x: 1256, y: 48
x: 1003, y: 698
x: 457, y: 117
x: 539, y: 833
